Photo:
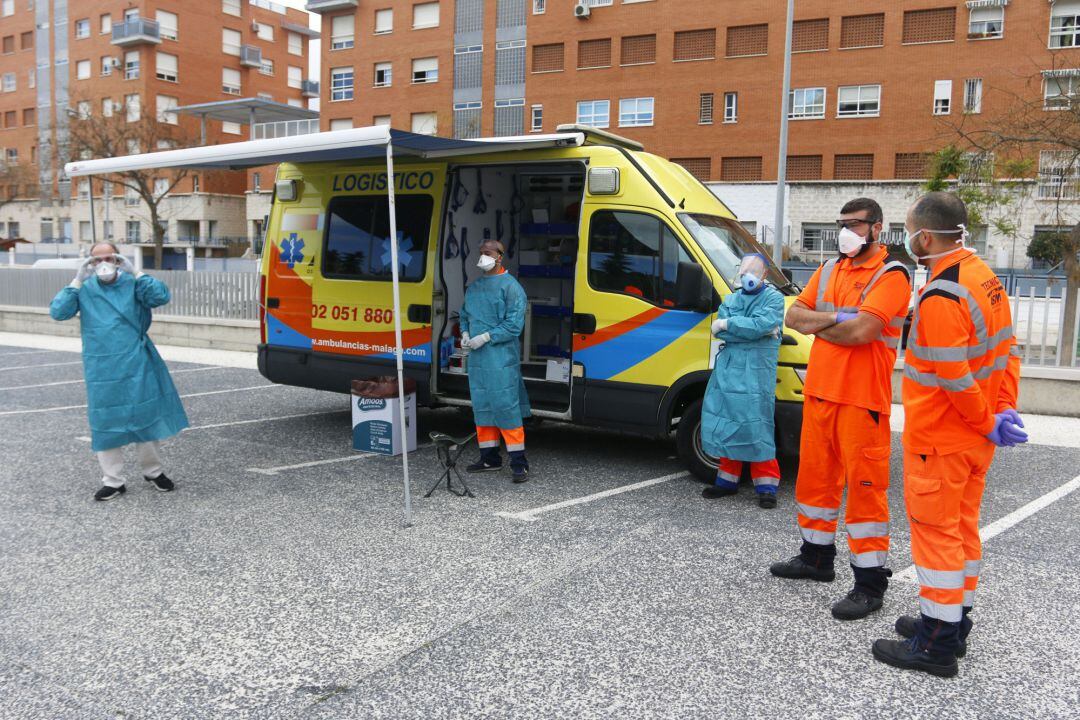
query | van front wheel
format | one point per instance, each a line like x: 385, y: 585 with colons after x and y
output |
x: 688, y: 443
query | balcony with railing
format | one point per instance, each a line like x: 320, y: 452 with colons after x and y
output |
x: 325, y: 6
x: 136, y: 31
x: 286, y: 128
x: 309, y: 88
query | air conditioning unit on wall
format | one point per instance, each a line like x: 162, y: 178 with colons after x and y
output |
x: 582, y: 10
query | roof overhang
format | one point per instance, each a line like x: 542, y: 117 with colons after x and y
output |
x: 335, y: 146
x: 301, y: 29
x: 241, y: 110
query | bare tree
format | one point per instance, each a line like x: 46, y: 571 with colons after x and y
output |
x: 16, y: 181
x: 98, y: 136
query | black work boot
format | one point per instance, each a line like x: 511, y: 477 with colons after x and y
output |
x: 109, y: 493
x: 798, y: 568
x: 490, y: 459
x: 856, y: 605
x: 161, y: 482
x: 908, y: 626
x: 909, y: 655
x: 766, y: 500
x: 714, y: 492
x: 519, y: 466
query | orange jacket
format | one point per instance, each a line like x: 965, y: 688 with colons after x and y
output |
x: 859, y: 375
x: 961, y: 365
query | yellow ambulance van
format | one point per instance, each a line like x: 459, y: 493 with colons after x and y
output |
x: 624, y: 257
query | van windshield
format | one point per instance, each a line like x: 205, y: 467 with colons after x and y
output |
x: 725, y: 242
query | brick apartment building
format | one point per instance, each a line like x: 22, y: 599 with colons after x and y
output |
x: 875, y: 83
x: 62, y: 59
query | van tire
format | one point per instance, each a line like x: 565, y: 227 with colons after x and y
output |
x: 688, y: 444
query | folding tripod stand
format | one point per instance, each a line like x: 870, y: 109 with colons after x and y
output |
x: 449, y: 449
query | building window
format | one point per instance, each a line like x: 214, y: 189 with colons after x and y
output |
x: 536, y: 122
x: 853, y: 167
x: 342, y: 30
x: 547, y: 58
x: 819, y: 237
x: 8, y: 82
x: 637, y: 50
x: 425, y: 70
x: 26, y: 40
x: 82, y: 29
x: 859, y: 101
x: 105, y: 24
x: 230, y: 41
x: 634, y: 254
x: 133, y: 107
x: 467, y: 120
x: 740, y: 169
x: 862, y: 31
x: 10, y: 119
x: 230, y: 81
x: 231, y: 128
x: 973, y: 95
x: 942, y: 97
x: 803, y: 167
x: 425, y: 15
x: 264, y: 31
x: 705, y: 109
x: 107, y: 107
x: 256, y: 181
x: 131, y: 65
x: 510, y: 62
x: 1059, y: 176
x: 11, y: 156
x: 424, y: 123
x: 106, y: 65
x: 807, y: 103
x: 296, y: 43
x: 161, y: 187
x: 166, y: 109
x: 929, y: 26
x: 384, y: 21
x: 383, y: 74
x: 132, y: 228
x: 986, y: 22
x: 133, y: 147
x: 695, y: 45
x: 594, y: 54
x: 266, y: 67
x: 700, y: 167
x: 731, y: 107
x: 468, y: 66
x: 29, y: 116
x: 341, y: 83
x: 341, y: 124
x: 82, y: 70
x: 509, y: 117
x: 747, y: 40
x: 810, y: 35
x: 509, y: 13
x: 1059, y: 91
x: 594, y: 113
x: 231, y: 7
x: 169, y: 25
x: 296, y: 76
x: 636, y: 112
x: 539, y: 7
x: 83, y: 111
x: 166, y: 67
x: 1065, y: 24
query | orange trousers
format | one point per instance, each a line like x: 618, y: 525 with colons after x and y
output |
x: 844, y: 445
x: 942, y: 494
x: 488, y: 437
x: 765, y: 475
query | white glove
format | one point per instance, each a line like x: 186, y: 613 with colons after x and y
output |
x: 479, y: 341
x: 719, y: 325
x: 125, y: 265
x: 83, y: 272
x: 465, y: 338
x: 775, y: 332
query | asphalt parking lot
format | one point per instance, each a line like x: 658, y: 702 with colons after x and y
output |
x: 278, y: 581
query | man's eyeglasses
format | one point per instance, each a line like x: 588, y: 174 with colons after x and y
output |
x: 852, y: 223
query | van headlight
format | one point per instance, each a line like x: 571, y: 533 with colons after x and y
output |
x: 801, y: 374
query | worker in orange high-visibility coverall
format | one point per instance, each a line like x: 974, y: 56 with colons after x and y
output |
x: 855, y: 305
x: 961, y: 376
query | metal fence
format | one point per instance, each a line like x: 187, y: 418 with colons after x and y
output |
x: 227, y: 296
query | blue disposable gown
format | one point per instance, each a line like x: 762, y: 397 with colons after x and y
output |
x: 496, y: 304
x: 737, y: 414
x: 130, y: 395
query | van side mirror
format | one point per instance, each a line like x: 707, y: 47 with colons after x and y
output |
x: 693, y: 289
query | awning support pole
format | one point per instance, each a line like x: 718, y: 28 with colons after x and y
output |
x: 399, y: 349
x: 93, y: 223
x: 202, y: 131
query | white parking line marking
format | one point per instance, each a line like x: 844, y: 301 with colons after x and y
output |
x: 532, y: 515
x: 30, y: 367
x: 27, y: 352
x: 191, y: 395
x: 315, y: 463
x: 83, y: 438
x: 1015, y: 517
x: 78, y: 382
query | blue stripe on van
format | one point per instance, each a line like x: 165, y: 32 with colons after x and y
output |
x: 608, y: 359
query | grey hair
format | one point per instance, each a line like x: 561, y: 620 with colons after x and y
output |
x: 116, y: 250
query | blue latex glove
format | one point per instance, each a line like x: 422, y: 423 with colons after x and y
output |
x: 1011, y: 433
x: 844, y: 316
x: 1013, y: 417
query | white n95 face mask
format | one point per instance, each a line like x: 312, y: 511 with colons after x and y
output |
x: 486, y: 263
x: 106, y: 272
x: 850, y: 242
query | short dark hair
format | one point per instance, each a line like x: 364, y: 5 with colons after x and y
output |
x: 873, y: 210
x: 939, y: 211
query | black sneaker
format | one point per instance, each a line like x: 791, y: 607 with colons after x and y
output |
x: 109, y: 493
x: 521, y: 475
x: 481, y: 466
x: 161, y: 482
x: 855, y: 606
x: 908, y: 626
x: 798, y: 569
x: 906, y: 654
x: 766, y: 501
x: 715, y: 491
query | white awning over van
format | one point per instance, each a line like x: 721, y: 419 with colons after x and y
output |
x: 334, y: 146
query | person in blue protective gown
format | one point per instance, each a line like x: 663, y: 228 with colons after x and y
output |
x: 130, y: 396
x: 491, y: 322
x: 737, y: 413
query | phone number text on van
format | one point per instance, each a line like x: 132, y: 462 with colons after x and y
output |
x: 377, y: 181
